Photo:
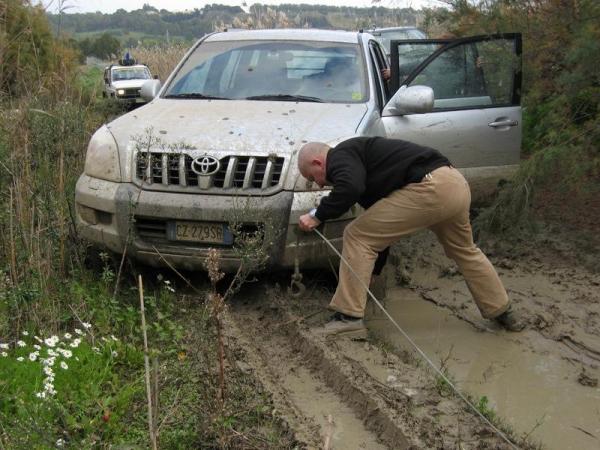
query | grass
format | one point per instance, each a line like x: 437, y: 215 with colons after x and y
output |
x: 90, y: 80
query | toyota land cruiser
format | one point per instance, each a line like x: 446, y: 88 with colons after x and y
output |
x: 227, y: 125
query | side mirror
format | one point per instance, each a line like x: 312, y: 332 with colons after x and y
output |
x: 410, y: 100
x: 150, y: 89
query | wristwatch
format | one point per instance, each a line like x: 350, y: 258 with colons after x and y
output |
x: 313, y: 213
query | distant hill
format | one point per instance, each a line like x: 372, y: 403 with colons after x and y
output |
x: 150, y: 25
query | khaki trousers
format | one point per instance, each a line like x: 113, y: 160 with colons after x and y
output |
x: 441, y: 203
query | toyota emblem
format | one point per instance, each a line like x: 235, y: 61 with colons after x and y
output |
x: 205, y: 165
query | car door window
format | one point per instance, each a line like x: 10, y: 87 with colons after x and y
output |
x: 379, y: 62
x: 464, y: 73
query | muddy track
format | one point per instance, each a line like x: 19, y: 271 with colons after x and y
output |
x: 542, y: 383
x: 346, y: 394
x: 561, y: 302
x: 543, y: 380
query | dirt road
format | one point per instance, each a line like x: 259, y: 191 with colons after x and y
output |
x: 541, y: 384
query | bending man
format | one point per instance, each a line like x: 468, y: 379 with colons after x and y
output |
x: 403, y: 188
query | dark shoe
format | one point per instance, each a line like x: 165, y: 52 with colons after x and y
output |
x: 343, y: 325
x: 510, y: 320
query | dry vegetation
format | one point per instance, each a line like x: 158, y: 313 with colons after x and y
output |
x: 161, y: 59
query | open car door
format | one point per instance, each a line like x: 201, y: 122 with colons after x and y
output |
x: 476, y: 81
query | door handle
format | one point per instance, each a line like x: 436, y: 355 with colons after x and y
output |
x: 503, y: 123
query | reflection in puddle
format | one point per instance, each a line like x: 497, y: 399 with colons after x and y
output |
x: 533, y: 391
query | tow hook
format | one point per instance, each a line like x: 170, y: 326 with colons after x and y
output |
x: 297, y: 288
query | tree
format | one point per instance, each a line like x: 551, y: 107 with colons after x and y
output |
x: 106, y: 47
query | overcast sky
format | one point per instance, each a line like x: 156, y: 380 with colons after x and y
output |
x: 109, y: 6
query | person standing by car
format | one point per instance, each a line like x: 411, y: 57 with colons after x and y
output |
x: 403, y: 187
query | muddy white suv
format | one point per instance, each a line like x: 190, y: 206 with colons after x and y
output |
x: 222, y: 135
x: 124, y: 81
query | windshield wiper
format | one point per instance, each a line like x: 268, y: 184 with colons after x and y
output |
x: 196, y: 95
x: 286, y: 97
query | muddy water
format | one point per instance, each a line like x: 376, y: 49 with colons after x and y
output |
x: 526, y: 382
x: 337, y: 422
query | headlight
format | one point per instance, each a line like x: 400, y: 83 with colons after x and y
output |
x: 102, y: 157
x: 120, y: 91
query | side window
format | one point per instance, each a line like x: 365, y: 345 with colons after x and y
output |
x: 456, y: 78
x: 464, y: 73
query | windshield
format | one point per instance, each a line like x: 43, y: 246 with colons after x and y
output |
x: 130, y: 73
x: 273, y: 70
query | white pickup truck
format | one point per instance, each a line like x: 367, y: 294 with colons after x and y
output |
x: 224, y: 131
x: 124, y: 81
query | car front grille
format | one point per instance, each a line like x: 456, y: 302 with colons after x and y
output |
x: 259, y: 175
x: 131, y: 93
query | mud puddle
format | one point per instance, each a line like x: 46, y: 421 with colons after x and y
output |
x: 533, y: 391
x: 317, y: 413
x: 338, y: 424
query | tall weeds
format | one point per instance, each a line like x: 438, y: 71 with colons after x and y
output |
x: 161, y: 59
x: 45, y: 122
x: 42, y: 148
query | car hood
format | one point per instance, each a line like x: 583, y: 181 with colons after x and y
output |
x: 224, y: 127
x: 125, y: 84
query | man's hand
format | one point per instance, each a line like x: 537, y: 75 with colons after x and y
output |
x: 386, y: 74
x: 306, y: 222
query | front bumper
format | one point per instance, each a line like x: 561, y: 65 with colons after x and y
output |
x: 130, y: 99
x: 108, y: 212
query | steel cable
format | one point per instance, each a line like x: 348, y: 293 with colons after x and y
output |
x: 416, y: 347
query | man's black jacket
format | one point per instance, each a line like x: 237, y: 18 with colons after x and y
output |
x: 364, y: 170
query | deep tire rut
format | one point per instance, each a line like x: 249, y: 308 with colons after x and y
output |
x: 348, y: 394
x: 308, y: 388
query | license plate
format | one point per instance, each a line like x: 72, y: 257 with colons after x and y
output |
x: 205, y: 232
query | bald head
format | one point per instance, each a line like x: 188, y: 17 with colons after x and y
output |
x: 312, y: 161
x: 310, y: 151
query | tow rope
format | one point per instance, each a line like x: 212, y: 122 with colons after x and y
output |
x: 416, y: 347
